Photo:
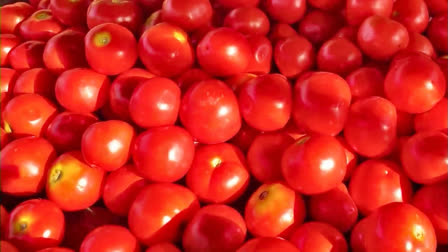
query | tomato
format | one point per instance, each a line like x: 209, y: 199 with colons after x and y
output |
x: 159, y: 212
x: 347, y: 32
x: 351, y: 157
x: 260, y: 63
x: 70, y: 13
x: 190, y: 77
x: 339, y: 55
x: 27, y: 55
x: 433, y: 119
x: 188, y: 15
x: 244, y: 138
x: 318, y: 237
x: 381, y: 38
x: 232, y: 4
x: 36, y: 81
x: 4, y: 215
x: 412, y: 14
x: 209, y: 111
x: 371, y: 127
x: 82, y: 90
x: 437, y: 6
x: 165, y: 50
x: 150, y: 6
x: 365, y: 82
x: 41, y: 25
x: 236, y: 82
x: 286, y: 11
x: 215, y: 228
x: 72, y: 184
x: 223, y: 52
x: 36, y: 224
x: 402, y: 227
x: 328, y: 5
x: 293, y: 55
x: 8, y: 247
x: 13, y: 15
x: 153, y: 19
x: 280, y: 31
x: 65, y: 51
x: 248, y: 21
x: 43, y: 4
x: 110, y: 238
x: 56, y: 249
x: 7, y: 43
x: 438, y: 34
x: 321, y: 102
x: 358, y: 10
x: 163, y: 247
x: 7, y: 83
x: 123, y: 12
x: 319, y: 26
x: 419, y: 43
x: 415, y: 83
x: 268, y: 244
x: 358, y: 235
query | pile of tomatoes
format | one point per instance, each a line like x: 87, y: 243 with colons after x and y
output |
x: 224, y: 125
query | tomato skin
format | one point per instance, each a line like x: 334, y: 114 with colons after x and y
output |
x: 437, y: 6
x: 24, y: 164
x: 437, y: 33
x: 159, y: 43
x: 433, y: 119
x: 7, y: 246
x: 412, y: 14
x: 215, y: 228
x: 149, y: 213
x: 70, y: 13
x: 319, y: 26
x: 171, y: 149
x: 223, y: 52
x: 188, y: 15
x: 358, y: 235
x: 321, y: 102
x: 339, y: 56
x: 212, y: 103
x: 358, y: 10
x: 27, y: 55
x: 41, y: 25
x: 150, y: 6
x: 371, y: 127
x: 7, y: 43
x: 287, y: 11
x: 419, y: 43
x: 56, y: 249
x: 7, y: 82
x: 190, y: 77
x: 110, y: 238
x: 36, y: 81
x: 415, y: 83
x: 244, y: 138
x: 72, y: 184
x: 328, y: 5
x: 107, y: 43
x: 268, y: 244
x: 380, y: 37
x: 280, y: 31
x: 13, y: 15
x: 432, y: 200
x: 248, y: 21
x: 71, y: 89
x: 365, y: 82
x: 319, y: 237
x: 260, y: 63
x: 163, y: 247
x: 347, y: 32
x: 4, y: 215
x: 293, y: 55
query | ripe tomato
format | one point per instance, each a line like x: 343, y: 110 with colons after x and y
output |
x: 8, y: 247
x: 159, y: 212
x: 209, y: 111
x: 56, y: 249
x: 36, y: 224
x: 438, y: 34
x: 358, y: 235
x: 319, y: 26
x: 286, y: 11
x: 244, y: 138
x: 163, y: 247
x: 72, y: 184
x: 248, y: 21
x: 280, y: 31
x: 371, y: 127
x: 7, y: 43
x: 328, y: 5
x: 274, y: 210
x: 412, y: 14
x: 236, y: 82
x: 151, y: 6
x: 293, y: 55
x: 7, y: 83
x: 321, y: 102
x: 365, y: 82
x: 318, y: 237
x: 82, y: 90
x: 419, y: 43
x: 110, y: 238
x: 351, y: 157
x: 260, y: 63
x: 190, y: 77
x: 36, y: 81
x: 347, y: 32
x: 41, y: 25
x: 215, y: 228
x: 232, y: 4
x: 13, y: 15
x: 437, y: 6
x: 70, y: 13
x: 27, y: 55
x: 339, y: 55
x: 165, y: 50
x: 356, y: 11
x: 433, y: 119
x: 268, y: 244
x: 4, y: 215
x: 188, y: 15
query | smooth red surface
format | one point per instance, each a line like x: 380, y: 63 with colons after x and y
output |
x: 189, y: 15
x: 27, y: 55
x: 365, y: 82
x: 340, y: 56
x: 36, y: 81
x: 110, y: 238
x: 13, y: 15
x: 268, y: 244
x: 358, y: 10
x: 7, y: 43
x: 248, y: 21
x: 413, y: 14
x: 286, y: 11
x: 438, y: 34
x: 319, y: 237
x: 319, y: 26
x: 41, y: 25
x: 433, y: 119
x: 293, y: 55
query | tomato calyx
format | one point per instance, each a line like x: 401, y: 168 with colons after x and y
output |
x: 20, y: 227
x: 263, y: 195
x: 42, y: 15
x: 101, y: 39
x: 56, y: 175
x: 302, y: 140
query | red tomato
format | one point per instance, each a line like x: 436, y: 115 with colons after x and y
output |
x: 43, y: 4
x: 381, y: 38
x: 424, y: 157
x: 223, y: 52
x: 260, y: 63
x: 190, y: 77
x: 36, y: 81
x: 155, y: 102
x: 433, y: 119
x: 215, y: 228
x: 351, y: 157
x: 232, y: 4
x: 319, y: 26
x: 7, y: 43
x: 413, y: 14
x: 433, y: 201
x: 347, y: 32
x: 236, y: 82
x: 293, y: 55
x: 365, y: 82
x: 70, y: 13
x: 163, y: 154
x: 285, y: 11
x: 65, y: 51
x: 159, y: 212
x: 163, y: 247
x: 358, y: 235
x: 123, y: 12
x: 248, y: 21
x: 24, y: 163
x: 244, y: 138
x: 56, y: 249
x: 153, y: 19
x: 358, y: 10
x: 121, y: 188
x: 334, y: 207
x: 274, y: 210
x: 36, y: 224
x: 7, y: 247
x: 150, y: 5
x: 188, y: 15
x: 438, y: 34
x: 209, y: 111
x: 29, y: 114
x: 27, y: 55
x: 110, y: 238
x: 314, y: 164
x: 268, y: 244
x: 165, y: 50
x: 327, y: 5
x: 107, y: 144
x: 437, y: 6
x: 82, y: 90
x: 72, y: 183
x: 280, y: 31
x: 41, y: 25
x: 419, y: 43
x: 415, y: 83
x: 7, y: 82
x: 4, y: 215
x: 13, y: 15
x: 321, y: 102
x: 371, y: 127
x: 339, y: 55
x: 318, y: 237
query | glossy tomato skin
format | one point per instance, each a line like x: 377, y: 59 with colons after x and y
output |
x: 244, y: 138
x: 24, y: 164
x: 13, y: 15
x: 82, y: 90
x: 29, y: 114
x: 339, y: 56
x: 159, y: 212
x: 36, y: 224
x: 41, y: 25
x: 358, y: 234
x: 188, y: 15
x: 319, y: 237
x: 365, y: 82
x: 288, y: 11
x: 232, y: 4
x: 412, y: 14
x: 347, y: 32
x: 437, y: 6
x: 70, y: 13
x: 293, y: 55
x: 321, y: 102
x: 236, y: 82
x: 36, y: 81
x: 7, y: 43
x: 215, y: 228
x: 415, y: 83
x: 163, y: 154
x: 7, y: 82
x: 248, y: 21
x: 212, y: 103
x: 419, y: 43
x: 4, y: 219
x: 432, y: 200
x: 437, y: 33
x: 163, y: 247
x: 190, y: 77
x: 267, y: 207
x: 260, y: 63
x: 268, y: 244
x: 7, y: 246
x: 72, y: 184
x: 56, y: 249
x: 319, y: 26
x: 110, y: 238
x: 424, y: 157
x: 328, y: 5
x: 165, y: 50
x: 358, y: 10
x: 27, y: 55
x: 433, y: 119
x: 314, y: 164
x: 280, y: 31
x: 371, y: 127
